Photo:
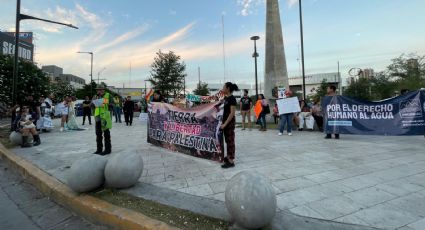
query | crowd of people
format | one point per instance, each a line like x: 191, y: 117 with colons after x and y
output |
x: 31, y: 117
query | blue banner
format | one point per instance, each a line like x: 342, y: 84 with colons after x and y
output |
x: 402, y: 115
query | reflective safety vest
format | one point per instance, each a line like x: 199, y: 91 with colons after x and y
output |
x: 105, y: 107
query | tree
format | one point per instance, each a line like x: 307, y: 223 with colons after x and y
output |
x: 321, y: 91
x: 86, y: 91
x: 31, y: 80
x: 202, y: 89
x: 60, y: 89
x: 168, y: 73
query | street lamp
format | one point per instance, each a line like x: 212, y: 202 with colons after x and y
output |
x: 91, y: 71
x: 302, y: 47
x: 20, y: 17
x: 98, y: 75
x: 255, y: 55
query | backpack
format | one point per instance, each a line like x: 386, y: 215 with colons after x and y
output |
x: 266, y: 109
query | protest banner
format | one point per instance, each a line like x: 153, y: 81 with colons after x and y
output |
x: 194, y: 131
x: 402, y: 115
x: 192, y: 97
x: 288, y: 105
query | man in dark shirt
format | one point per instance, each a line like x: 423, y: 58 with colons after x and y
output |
x: 128, y: 111
x: 331, y: 93
x: 245, y: 107
x: 87, y: 110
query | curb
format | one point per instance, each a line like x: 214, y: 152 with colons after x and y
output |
x: 89, y: 207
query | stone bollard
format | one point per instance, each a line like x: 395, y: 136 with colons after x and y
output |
x: 123, y: 170
x: 251, y: 200
x: 16, y: 138
x: 87, y: 174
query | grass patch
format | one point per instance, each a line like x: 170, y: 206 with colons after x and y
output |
x: 173, y: 216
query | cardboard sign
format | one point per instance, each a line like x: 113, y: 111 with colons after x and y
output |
x: 288, y: 105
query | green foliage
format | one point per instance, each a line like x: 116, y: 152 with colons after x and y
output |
x: 86, y: 91
x: 168, y: 73
x: 400, y: 74
x: 320, y: 92
x: 202, y: 89
x: 31, y: 80
x: 61, y: 89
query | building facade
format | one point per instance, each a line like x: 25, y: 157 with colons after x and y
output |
x: 52, y: 71
x: 313, y: 81
x: 76, y: 82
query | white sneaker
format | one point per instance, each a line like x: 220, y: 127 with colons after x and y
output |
x: 289, y: 134
x: 61, y: 130
x: 280, y: 134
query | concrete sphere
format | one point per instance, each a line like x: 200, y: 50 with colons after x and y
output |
x: 87, y: 174
x: 251, y: 200
x: 16, y: 138
x: 123, y: 170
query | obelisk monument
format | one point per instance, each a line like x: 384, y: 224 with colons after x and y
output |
x: 275, y: 74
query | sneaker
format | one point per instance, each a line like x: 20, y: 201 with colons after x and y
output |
x: 300, y: 129
x: 328, y: 136
x: 228, y: 165
x: 280, y: 134
x: 289, y: 134
x: 61, y: 129
x: 243, y: 128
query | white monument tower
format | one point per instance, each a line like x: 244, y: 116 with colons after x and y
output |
x: 276, y: 74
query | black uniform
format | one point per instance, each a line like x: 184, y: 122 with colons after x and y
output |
x: 128, y: 112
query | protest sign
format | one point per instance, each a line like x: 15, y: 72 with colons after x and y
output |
x: 403, y: 115
x: 288, y: 105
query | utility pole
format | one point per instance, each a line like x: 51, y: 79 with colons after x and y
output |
x: 302, y: 48
x: 199, y: 77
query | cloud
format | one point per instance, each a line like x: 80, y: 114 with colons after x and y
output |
x: 291, y: 3
x: 123, y: 38
x: 247, y: 6
x: 172, y: 12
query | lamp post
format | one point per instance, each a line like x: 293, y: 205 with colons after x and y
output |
x: 91, y: 71
x: 20, y: 17
x: 302, y: 47
x: 98, y: 75
x: 255, y: 55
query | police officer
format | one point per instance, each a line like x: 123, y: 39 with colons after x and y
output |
x: 103, y: 120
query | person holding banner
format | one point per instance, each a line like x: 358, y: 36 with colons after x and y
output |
x: 331, y: 93
x: 228, y: 123
x: 245, y: 107
x: 286, y: 118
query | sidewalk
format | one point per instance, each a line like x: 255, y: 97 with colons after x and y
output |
x: 23, y: 207
x: 363, y: 180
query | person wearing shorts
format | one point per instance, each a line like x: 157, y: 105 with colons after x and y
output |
x: 245, y: 106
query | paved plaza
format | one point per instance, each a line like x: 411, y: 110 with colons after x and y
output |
x: 363, y: 180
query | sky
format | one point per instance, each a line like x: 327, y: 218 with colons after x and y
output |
x: 125, y: 35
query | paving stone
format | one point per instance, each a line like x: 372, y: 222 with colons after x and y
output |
x: 199, y: 190
x: 304, y: 210
x: 293, y: 184
x: 349, y: 167
x: 370, y: 196
x: 218, y: 187
x: 335, y: 207
x: 386, y: 217
x: 418, y: 225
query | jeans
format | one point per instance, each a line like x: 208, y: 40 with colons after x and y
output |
x: 262, y: 119
x: 100, y: 135
x: 286, y: 118
x: 117, y: 111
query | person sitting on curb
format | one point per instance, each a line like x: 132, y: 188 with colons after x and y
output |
x: 26, y: 127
